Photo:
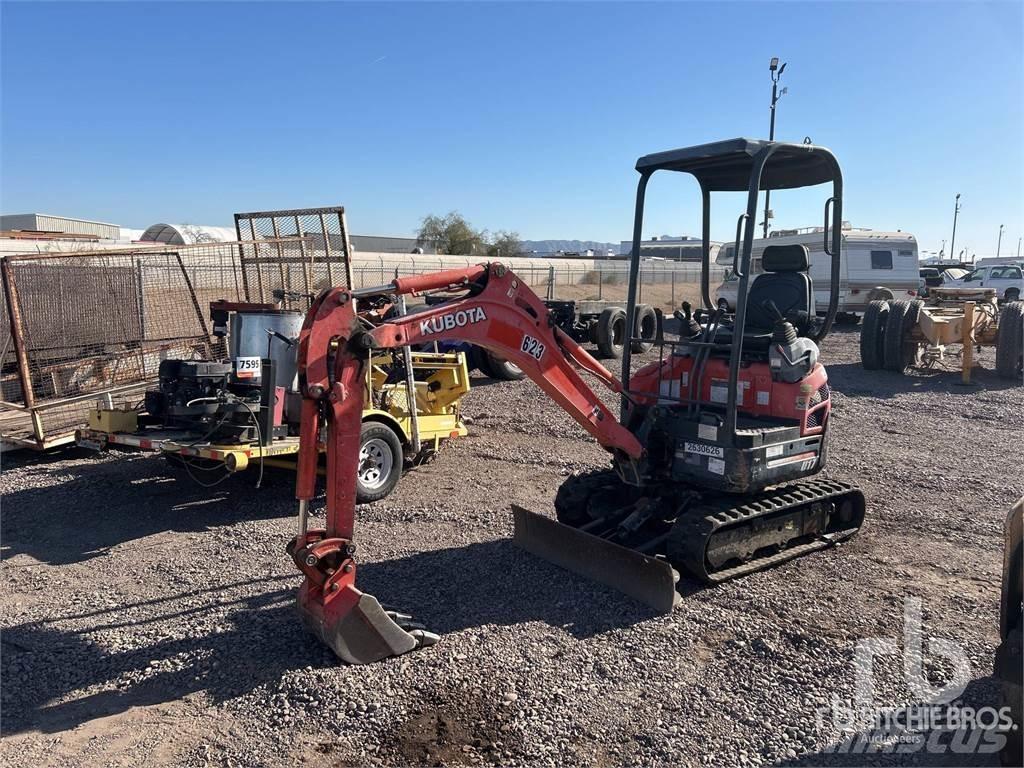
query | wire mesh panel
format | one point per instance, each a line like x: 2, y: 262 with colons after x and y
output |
x: 290, y: 256
x: 77, y: 326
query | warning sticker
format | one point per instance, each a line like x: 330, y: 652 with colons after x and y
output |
x: 763, y: 398
x: 717, y: 466
x: 773, y: 450
x: 707, y: 431
x: 720, y: 390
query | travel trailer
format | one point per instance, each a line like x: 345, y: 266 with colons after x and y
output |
x: 872, y: 265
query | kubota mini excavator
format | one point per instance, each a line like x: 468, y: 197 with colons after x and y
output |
x: 710, y: 444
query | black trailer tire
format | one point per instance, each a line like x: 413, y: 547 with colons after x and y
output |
x: 500, y: 368
x: 1012, y: 294
x: 872, y: 333
x: 611, y: 332
x: 1010, y: 342
x: 646, y: 327
x: 898, y: 353
x: 477, y: 359
x: 380, y: 462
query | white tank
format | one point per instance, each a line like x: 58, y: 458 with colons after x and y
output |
x: 254, y: 336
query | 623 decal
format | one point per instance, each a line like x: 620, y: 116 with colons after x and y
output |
x: 532, y: 347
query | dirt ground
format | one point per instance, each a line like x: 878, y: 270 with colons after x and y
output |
x: 148, y: 621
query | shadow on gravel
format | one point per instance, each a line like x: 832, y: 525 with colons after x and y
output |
x: 936, y: 746
x: 495, y: 582
x: 75, y: 512
x: 255, y: 643
x: 224, y: 649
x: 853, y: 381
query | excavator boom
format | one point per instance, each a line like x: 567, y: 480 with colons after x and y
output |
x: 496, y: 310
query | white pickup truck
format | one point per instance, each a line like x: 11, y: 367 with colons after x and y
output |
x: 1006, y: 279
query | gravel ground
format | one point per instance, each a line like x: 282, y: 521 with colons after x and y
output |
x: 146, y: 620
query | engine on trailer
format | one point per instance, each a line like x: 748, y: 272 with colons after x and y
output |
x: 207, y: 398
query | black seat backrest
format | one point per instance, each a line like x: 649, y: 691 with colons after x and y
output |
x: 785, y: 281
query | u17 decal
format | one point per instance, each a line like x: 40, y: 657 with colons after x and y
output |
x: 533, y: 347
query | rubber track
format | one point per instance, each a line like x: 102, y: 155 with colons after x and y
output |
x: 691, y: 534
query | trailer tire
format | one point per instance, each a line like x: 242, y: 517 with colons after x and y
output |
x: 611, y: 332
x: 478, y: 360
x: 500, y: 368
x: 898, y: 353
x: 646, y: 327
x: 1012, y: 294
x: 1010, y: 342
x: 872, y: 333
x: 380, y: 462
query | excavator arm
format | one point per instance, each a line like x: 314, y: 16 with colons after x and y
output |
x: 493, y: 309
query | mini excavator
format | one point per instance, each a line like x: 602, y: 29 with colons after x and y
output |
x: 714, y: 448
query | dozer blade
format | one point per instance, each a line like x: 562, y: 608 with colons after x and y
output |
x: 355, y: 626
x: 647, y: 579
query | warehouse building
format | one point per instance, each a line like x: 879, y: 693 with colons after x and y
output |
x: 44, y: 222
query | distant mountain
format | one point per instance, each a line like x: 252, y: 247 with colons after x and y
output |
x: 551, y: 246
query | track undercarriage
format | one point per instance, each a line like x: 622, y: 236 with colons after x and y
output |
x: 712, y: 537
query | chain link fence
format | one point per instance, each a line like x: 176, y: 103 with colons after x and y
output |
x: 78, y: 327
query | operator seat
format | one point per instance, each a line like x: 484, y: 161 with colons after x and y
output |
x: 785, y: 281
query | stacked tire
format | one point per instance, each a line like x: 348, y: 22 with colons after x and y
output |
x: 610, y: 331
x: 886, y: 335
x: 872, y: 334
x: 1010, y: 342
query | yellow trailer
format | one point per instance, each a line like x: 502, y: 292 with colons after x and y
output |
x: 394, y: 434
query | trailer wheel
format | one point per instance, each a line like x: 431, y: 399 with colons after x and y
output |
x: 380, y: 462
x: 1012, y: 294
x: 1010, y: 342
x: 898, y: 353
x: 872, y: 333
x: 646, y: 328
x: 611, y: 332
x: 477, y: 359
x: 500, y: 368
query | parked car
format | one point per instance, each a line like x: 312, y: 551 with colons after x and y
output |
x: 939, y: 277
x: 1006, y: 279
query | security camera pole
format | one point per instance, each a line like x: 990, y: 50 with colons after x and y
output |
x: 776, y: 71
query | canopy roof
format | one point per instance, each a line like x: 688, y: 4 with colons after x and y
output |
x: 726, y: 165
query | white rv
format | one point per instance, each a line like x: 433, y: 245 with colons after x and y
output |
x: 872, y: 265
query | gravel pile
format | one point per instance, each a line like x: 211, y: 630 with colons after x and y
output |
x: 147, y: 620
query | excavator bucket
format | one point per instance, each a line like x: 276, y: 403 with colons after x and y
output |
x: 648, y: 579
x: 357, y: 628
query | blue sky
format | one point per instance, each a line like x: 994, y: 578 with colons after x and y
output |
x: 526, y: 117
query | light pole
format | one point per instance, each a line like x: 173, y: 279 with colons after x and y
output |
x: 776, y: 72
x: 999, y: 243
x: 1018, y: 247
x: 956, y: 210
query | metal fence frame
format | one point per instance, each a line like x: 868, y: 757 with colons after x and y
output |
x: 131, y: 325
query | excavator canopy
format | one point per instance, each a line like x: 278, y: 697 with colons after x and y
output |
x: 725, y: 166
